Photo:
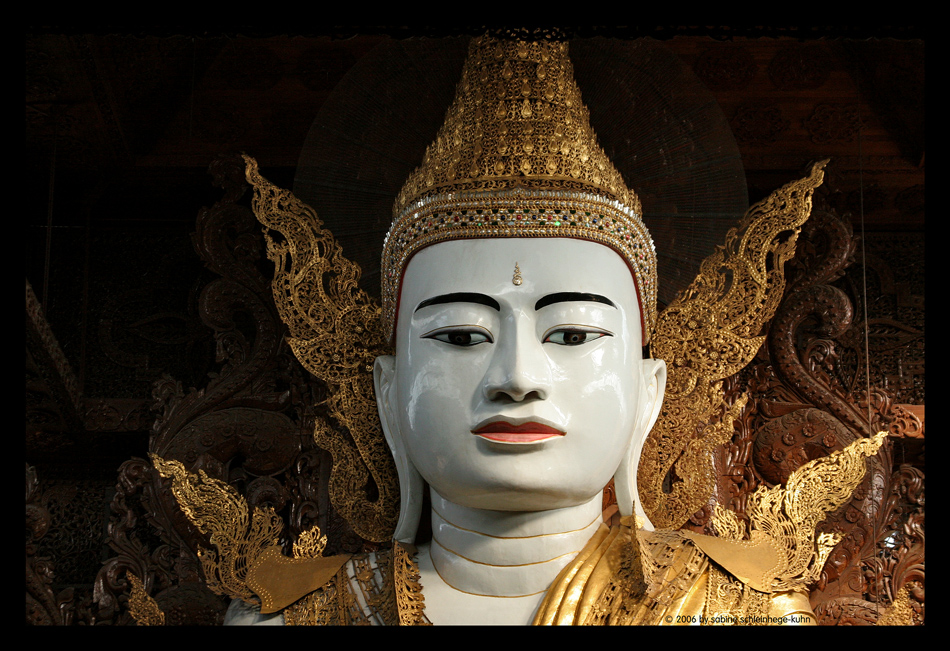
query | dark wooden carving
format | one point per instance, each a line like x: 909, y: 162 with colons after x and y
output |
x: 41, y: 604
x: 833, y: 124
x: 248, y: 426
x: 801, y: 66
x: 728, y: 67
x: 759, y: 125
x: 805, y: 404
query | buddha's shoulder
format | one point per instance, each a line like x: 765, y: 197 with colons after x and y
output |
x: 708, y: 580
x: 639, y: 577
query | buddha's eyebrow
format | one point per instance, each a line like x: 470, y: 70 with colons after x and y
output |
x: 460, y: 297
x: 562, y: 297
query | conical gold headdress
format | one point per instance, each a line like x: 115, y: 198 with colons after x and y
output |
x: 516, y: 157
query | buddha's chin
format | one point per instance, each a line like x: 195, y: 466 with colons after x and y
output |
x: 516, y: 495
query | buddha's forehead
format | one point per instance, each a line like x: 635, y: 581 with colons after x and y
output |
x: 510, y: 269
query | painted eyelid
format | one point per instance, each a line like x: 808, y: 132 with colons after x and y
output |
x: 575, y: 328
x: 475, y: 329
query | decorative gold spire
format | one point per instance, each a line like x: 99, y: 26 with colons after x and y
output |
x: 517, y: 121
x: 516, y: 157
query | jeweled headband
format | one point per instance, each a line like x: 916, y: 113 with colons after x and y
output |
x: 516, y: 157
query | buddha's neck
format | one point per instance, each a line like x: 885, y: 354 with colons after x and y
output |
x: 504, y: 553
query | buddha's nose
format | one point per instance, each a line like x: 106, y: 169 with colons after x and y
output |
x: 520, y: 369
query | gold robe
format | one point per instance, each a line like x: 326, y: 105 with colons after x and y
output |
x: 608, y: 583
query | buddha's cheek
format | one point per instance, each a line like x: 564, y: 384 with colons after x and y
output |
x: 436, y: 420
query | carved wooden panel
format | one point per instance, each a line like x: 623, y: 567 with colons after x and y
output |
x: 806, y: 403
x: 249, y: 424
x: 41, y: 603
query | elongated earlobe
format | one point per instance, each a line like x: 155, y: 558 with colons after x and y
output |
x: 652, y: 390
x: 411, y: 484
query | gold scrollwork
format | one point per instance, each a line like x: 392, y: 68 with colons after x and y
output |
x: 785, y: 518
x: 219, y: 511
x: 336, y: 333
x: 709, y: 332
x: 142, y: 607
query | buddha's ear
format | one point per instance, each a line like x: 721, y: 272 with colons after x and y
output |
x: 411, y: 484
x: 652, y: 390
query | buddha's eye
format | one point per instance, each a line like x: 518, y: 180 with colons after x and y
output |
x: 573, y: 336
x: 460, y: 336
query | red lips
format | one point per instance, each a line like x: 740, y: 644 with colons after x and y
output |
x: 502, y: 432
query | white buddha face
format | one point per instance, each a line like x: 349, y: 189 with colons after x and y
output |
x: 518, y: 397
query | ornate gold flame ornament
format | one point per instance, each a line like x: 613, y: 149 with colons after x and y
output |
x: 219, y: 511
x: 247, y: 561
x: 711, y: 331
x: 336, y: 332
x: 783, y: 519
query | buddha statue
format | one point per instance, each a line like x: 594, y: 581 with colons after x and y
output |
x: 516, y: 396
x: 509, y: 380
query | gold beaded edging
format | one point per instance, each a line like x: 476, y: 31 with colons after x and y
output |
x: 520, y: 212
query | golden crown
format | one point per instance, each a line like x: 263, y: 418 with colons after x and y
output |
x: 516, y: 157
